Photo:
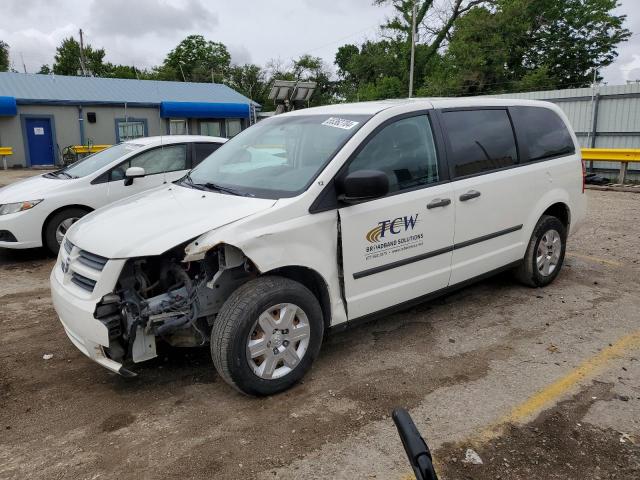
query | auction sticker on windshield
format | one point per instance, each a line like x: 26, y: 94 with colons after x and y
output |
x: 340, y: 123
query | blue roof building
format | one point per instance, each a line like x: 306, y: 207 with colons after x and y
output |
x: 42, y: 114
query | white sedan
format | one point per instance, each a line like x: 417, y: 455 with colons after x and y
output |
x: 38, y: 211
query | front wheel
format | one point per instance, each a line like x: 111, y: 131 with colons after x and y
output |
x: 267, y: 335
x: 545, y: 253
x: 58, y: 225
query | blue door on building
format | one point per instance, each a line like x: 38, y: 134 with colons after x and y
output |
x: 40, y: 141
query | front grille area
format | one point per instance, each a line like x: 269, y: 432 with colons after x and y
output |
x: 92, y: 260
x: 68, y: 246
x: 83, y: 282
x: 7, y: 236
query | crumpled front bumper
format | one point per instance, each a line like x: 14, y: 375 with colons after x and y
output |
x: 75, y: 307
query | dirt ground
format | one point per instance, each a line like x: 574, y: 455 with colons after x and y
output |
x: 460, y: 364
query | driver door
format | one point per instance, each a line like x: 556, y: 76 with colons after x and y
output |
x: 398, y: 247
x: 161, y: 164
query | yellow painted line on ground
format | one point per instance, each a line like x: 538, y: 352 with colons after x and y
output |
x: 594, y: 259
x: 550, y: 394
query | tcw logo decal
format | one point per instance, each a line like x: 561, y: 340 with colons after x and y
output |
x: 394, y: 227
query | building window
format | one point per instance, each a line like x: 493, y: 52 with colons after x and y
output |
x: 234, y: 127
x: 127, y: 129
x: 178, y: 127
x: 210, y: 128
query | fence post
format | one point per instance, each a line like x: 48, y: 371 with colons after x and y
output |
x: 623, y: 172
x: 4, y: 162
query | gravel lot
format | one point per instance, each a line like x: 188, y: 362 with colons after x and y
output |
x: 460, y: 364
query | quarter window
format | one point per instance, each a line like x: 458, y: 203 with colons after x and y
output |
x: 404, y: 151
x: 480, y: 141
x: 546, y: 134
x: 203, y: 150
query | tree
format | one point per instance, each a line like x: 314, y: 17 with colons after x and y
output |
x: 525, y: 45
x: 45, y: 70
x: 313, y: 69
x: 67, y: 59
x: 4, y: 56
x: 250, y: 80
x: 196, y: 60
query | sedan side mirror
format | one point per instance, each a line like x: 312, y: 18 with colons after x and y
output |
x: 132, y: 173
x: 363, y: 185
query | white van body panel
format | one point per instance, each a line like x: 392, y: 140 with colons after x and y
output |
x: 278, y: 234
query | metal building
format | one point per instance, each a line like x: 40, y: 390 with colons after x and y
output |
x: 42, y: 114
x: 606, y: 116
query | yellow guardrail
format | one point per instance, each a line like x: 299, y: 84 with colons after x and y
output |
x: 612, y: 154
x: 4, y: 153
x: 622, y: 155
x: 82, y: 149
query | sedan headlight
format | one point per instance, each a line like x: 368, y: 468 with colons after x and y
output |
x: 8, y: 208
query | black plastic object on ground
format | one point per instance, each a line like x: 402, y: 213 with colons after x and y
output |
x: 415, y: 446
x: 595, y: 179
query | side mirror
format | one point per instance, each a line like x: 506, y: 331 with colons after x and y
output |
x: 132, y: 173
x: 363, y: 185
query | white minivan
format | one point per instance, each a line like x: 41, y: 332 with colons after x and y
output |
x: 314, y: 220
x: 37, y: 211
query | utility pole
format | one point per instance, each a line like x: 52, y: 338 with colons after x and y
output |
x: 413, y: 46
x: 182, y: 71
x: 24, y: 67
x: 83, y: 67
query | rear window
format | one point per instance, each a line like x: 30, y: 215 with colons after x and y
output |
x: 202, y: 151
x: 545, y: 132
x: 480, y: 141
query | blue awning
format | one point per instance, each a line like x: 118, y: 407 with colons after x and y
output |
x: 203, y: 110
x: 8, y: 106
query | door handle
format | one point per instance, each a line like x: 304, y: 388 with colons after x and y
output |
x: 438, y: 202
x: 469, y: 195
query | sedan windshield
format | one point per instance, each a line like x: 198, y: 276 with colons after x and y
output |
x: 98, y: 160
x: 275, y: 158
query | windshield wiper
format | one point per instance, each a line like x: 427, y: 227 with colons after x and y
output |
x: 212, y: 186
x: 220, y: 188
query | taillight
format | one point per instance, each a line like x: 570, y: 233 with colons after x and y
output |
x: 584, y: 174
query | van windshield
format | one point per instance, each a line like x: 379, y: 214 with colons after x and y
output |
x: 95, y: 162
x: 275, y: 158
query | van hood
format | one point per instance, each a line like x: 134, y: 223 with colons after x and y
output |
x: 33, y: 188
x: 155, y: 221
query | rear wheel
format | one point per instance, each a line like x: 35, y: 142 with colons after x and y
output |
x: 267, y: 335
x: 58, y: 225
x: 545, y: 253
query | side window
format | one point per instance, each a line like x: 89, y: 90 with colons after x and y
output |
x: 162, y: 159
x: 202, y: 151
x: 404, y: 150
x: 480, y: 140
x: 546, y: 134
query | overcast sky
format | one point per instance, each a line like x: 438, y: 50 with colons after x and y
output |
x: 141, y: 32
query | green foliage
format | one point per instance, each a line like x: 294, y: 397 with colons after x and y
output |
x: 4, y: 56
x: 525, y: 45
x: 67, y: 59
x: 45, y: 70
x: 250, y: 80
x: 199, y: 60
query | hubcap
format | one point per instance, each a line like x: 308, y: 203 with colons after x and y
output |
x: 278, y: 341
x: 63, y: 227
x: 548, y: 254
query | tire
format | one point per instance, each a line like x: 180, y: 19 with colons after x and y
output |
x: 543, y: 258
x: 287, y: 309
x: 60, y: 221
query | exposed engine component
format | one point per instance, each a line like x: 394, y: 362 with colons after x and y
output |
x: 161, y: 297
